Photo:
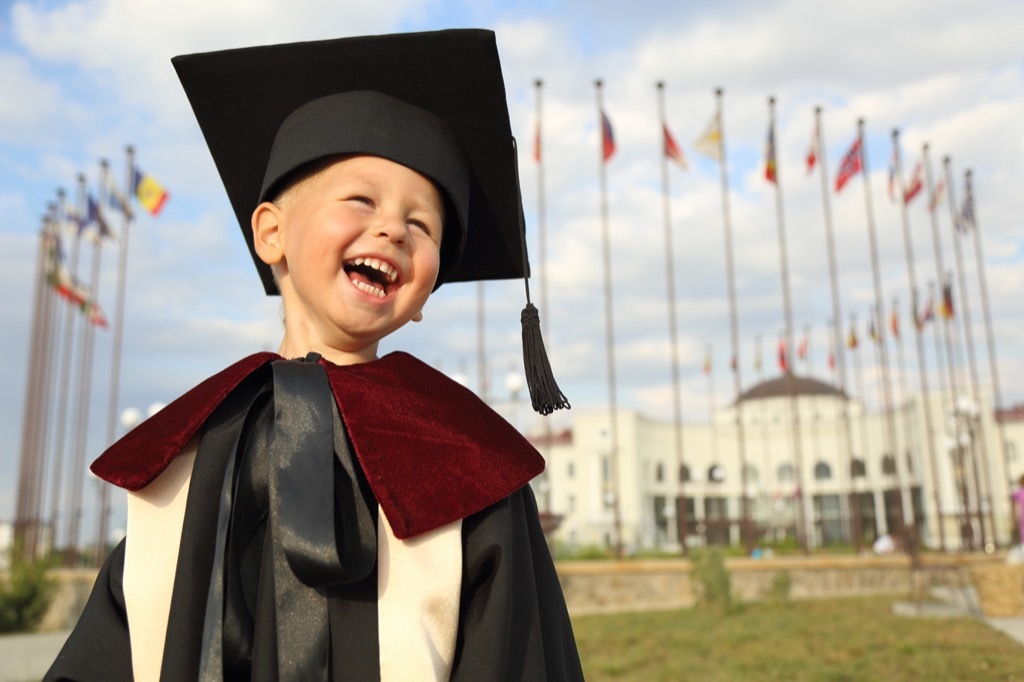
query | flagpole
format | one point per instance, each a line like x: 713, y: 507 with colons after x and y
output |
x: 901, y: 375
x: 609, y: 332
x: 676, y: 531
x: 115, y: 356
x: 50, y: 334
x: 987, y: 312
x: 837, y: 331
x: 841, y: 445
x: 84, y: 399
x: 32, y: 423
x: 64, y: 384
x: 883, y: 353
x: 543, y: 251
x: 765, y: 450
x: 858, y: 376
x: 733, y: 322
x: 950, y: 345
x: 787, y: 306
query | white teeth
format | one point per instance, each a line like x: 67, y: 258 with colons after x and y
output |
x: 369, y: 288
x: 389, y: 272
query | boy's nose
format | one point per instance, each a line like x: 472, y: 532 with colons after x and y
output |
x: 393, y: 229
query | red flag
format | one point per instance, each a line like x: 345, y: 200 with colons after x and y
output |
x: 916, y: 183
x: 770, y: 168
x: 851, y: 164
x: 672, y: 150
x: 831, y: 359
x: 801, y: 349
x: 783, y: 360
x: 894, y: 323
x: 707, y: 362
x: 892, y: 176
x: 812, y: 151
x: 607, y: 138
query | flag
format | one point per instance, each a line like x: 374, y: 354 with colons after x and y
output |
x: 607, y: 138
x: 95, y: 315
x: 733, y: 364
x: 707, y: 362
x: 95, y: 217
x: 965, y: 218
x: 150, y: 193
x: 710, y: 143
x: 937, y: 195
x: 802, y: 348
x: 894, y: 323
x: 916, y: 183
x: 851, y: 338
x: 117, y: 200
x: 672, y: 150
x: 783, y: 360
x: 72, y: 223
x: 536, y: 142
x: 812, y: 150
x: 831, y: 359
x: 757, y: 357
x: 770, y: 169
x: 851, y: 164
x: 872, y: 330
x: 946, y: 307
x: 925, y: 316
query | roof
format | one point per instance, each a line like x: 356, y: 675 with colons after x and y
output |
x: 779, y: 387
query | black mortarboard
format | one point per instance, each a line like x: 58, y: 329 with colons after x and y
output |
x: 434, y: 102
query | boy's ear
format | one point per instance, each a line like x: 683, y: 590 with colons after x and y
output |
x: 267, y: 235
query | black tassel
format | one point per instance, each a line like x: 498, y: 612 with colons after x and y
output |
x: 544, y: 392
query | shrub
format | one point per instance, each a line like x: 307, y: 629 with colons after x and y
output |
x: 779, y: 588
x: 25, y: 594
x: 712, y: 583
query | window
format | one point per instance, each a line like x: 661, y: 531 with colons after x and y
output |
x: 857, y: 468
x: 889, y: 465
x: 716, y: 473
x: 659, y: 472
x: 606, y: 468
x: 751, y: 474
x: 786, y: 473
x: 684, y: 474
x: 572, y: 503
x: 822, y: 471
x: 571, y: 469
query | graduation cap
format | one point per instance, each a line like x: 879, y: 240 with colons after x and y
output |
x: 434, y: 102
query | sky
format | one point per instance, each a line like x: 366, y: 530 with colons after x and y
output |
x: 80, y: 80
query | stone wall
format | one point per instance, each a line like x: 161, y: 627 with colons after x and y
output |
x: 645, y: 585
x: 608, y: 586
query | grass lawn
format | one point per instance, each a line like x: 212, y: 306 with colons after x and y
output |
x: 839, y: 639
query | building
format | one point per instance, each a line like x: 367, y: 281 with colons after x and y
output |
x: 848, y: 468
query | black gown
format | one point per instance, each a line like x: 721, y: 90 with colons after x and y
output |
x: 247, y: 546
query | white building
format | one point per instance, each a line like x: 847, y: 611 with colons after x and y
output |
x: 899, y: 474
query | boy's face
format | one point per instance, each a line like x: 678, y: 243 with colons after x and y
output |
x: 358, y: 251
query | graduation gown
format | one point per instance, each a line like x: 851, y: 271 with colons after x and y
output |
x: 277, y: 570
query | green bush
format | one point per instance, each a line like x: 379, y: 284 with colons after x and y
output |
x: 25, y: 595
x: 713, y: 586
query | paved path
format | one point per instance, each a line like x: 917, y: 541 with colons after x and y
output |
x: 27, y: 657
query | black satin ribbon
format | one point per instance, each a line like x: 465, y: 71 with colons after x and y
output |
x: 322, y: 529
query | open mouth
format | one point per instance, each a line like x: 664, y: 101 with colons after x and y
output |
x: 371, y: 275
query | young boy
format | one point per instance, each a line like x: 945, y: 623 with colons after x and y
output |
x: 337, y: 516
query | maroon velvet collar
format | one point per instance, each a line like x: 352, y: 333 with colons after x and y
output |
x: 431, y: 450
